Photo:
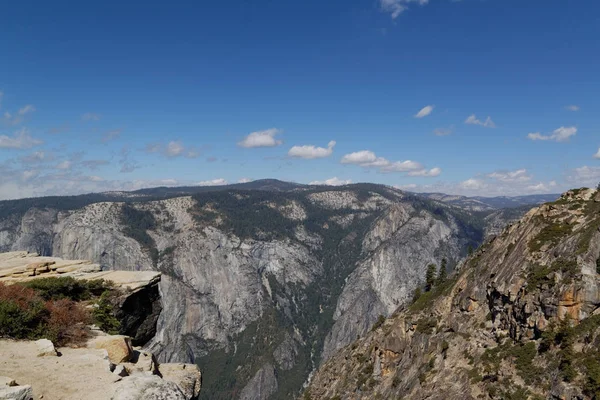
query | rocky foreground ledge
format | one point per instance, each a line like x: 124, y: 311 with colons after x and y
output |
x: 138, y: 308
x: 20, y: 266
x: 107, y: 368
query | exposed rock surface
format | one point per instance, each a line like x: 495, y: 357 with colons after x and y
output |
x: 138, y: 307
x: 143, y: 387
x: 14, y: 392
x: 83, y: 373
x: 118, y: 347
x: 45, y: 348
x: 187, y: 376
x: 261, y: 386
x: 520, y: 319
x: 248, y: 275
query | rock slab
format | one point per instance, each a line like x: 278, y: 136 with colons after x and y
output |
x: 187, y: 376
x: 45, y: 348
x: 147, y: 387
x: 24, y: 392
x: 118, y: 347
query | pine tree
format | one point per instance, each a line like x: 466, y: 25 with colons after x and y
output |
x: 443, y: 274
x: 417, y: 294
x: 430, y: 277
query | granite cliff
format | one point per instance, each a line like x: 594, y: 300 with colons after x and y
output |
x: 518, y: 320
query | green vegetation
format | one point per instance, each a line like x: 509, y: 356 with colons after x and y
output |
x: 538, y: 275
x: 104, y: 313
x: 443, y: 273
x: 552, y: 234
x: 430, y: 277
x: 56, y: 288
x: 378, y: 323
x: 424, y: 300
x: 426, y: 325
x: 55, y: 308
x: 24, y: 314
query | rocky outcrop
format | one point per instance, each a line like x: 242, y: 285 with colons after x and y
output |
x: 144, y: 387
x: 107, y: 368
x: 138, y: 307
x: 9, y: 390
x: 261, y: 386
x: 187, y: 376
x: 518, y: 320
x: 118, y: 347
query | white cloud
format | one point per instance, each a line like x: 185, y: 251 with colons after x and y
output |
x: 542, y: 187
x: 519, y: 175
x: 363, y: 158
x: 310, y: 152
x: 584, y: 176
x: 95, y: 178
x: 368, y: 159
x: 12, y: 120
x: 597, y: 155
x: 561, y: 134
x: 172, y: 149
x: 397, y: 7
x: 473, y: 184
x: 572, y: 107
x: 425, y: 111
x: 335, y: 181
x: 245, y: 180
x: 409, y: 186
x: 442, y: 131
x: 264, y: 138
x: 423, y: 172
x: 29, y: 108
x: 213, y: 182
x: 20, y: 140
x: 36, y: 156
x: 29, y: 174
x: 64, y: 165
x: 473, y: 120
x: 88, y: 116
x: 111, y: 135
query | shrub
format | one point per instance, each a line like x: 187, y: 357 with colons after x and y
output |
x: 378, y: 323
x: 22, y: 312
x: 66, y: 287
x: 67, y: 322
x: 25, y: 315
x: 426, y: 325
x: 551, y: 233
x: 103, y: 314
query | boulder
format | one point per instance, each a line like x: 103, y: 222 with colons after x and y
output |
x: 24, y: 392
x: 6, y: 381
x: 147, y: 387
x: 120, y: 371
x: 118, y: 347
x: 187, y: 376
x: 141, y: 362
x: 45, y: 348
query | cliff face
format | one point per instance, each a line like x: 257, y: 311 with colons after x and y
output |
x: 518, y: 320
x: 258, y: 287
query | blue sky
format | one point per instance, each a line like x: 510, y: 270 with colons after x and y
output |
x: 485, y: 97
